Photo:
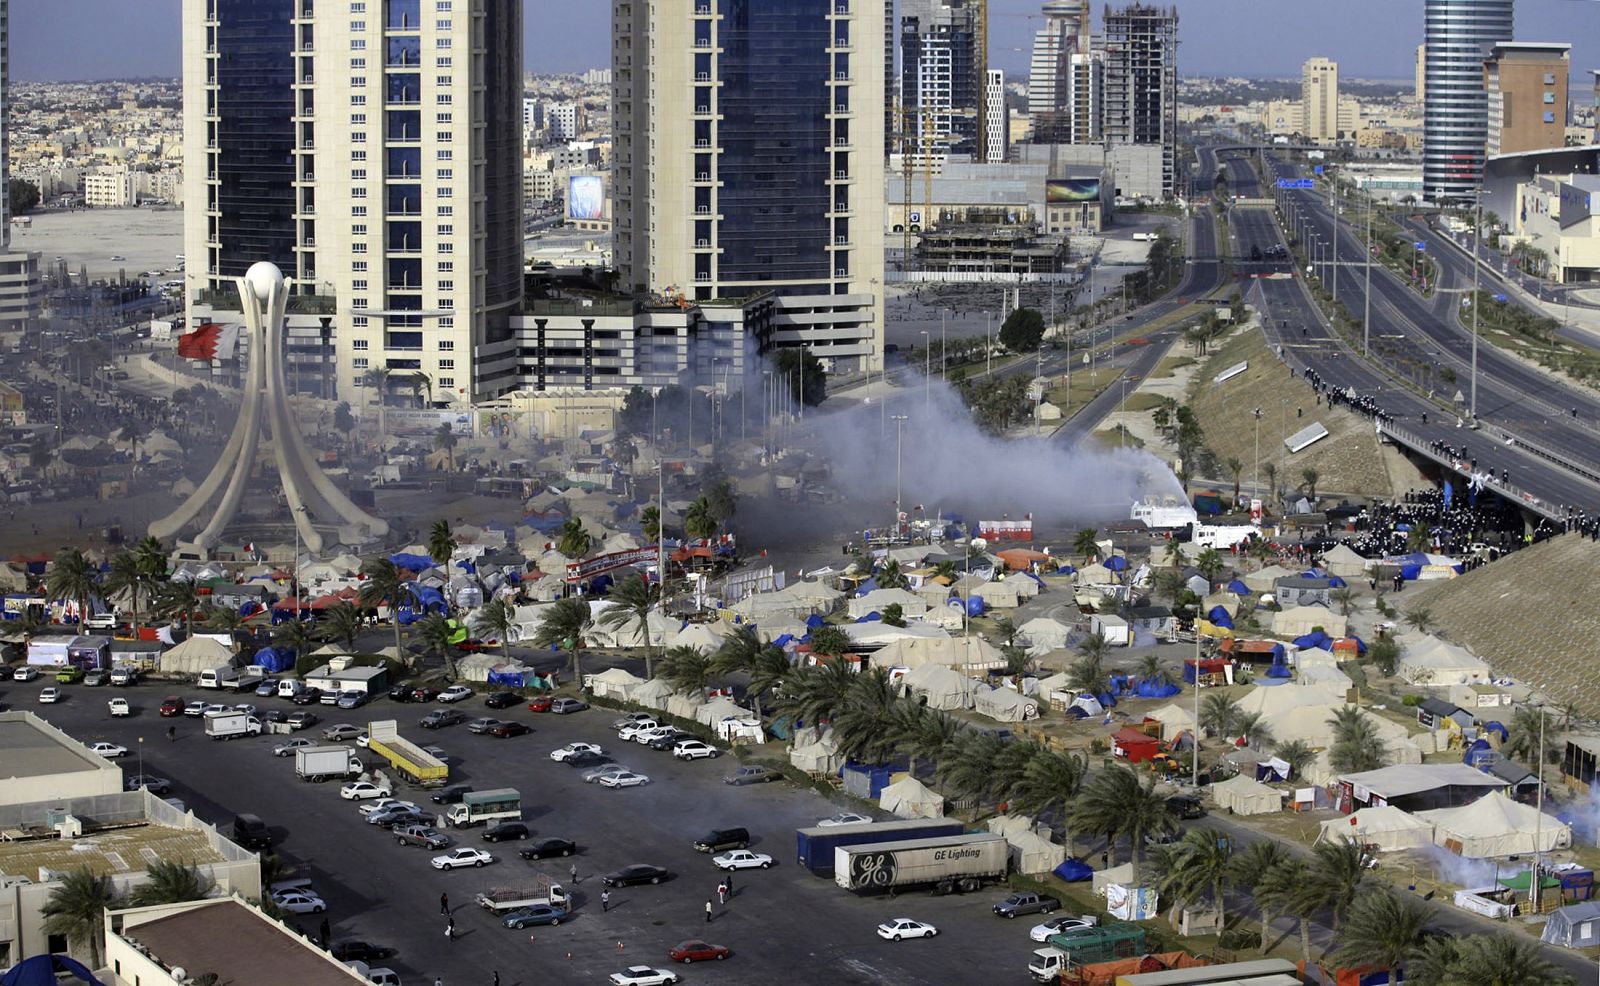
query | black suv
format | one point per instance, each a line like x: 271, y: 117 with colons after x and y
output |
x: 506, y: 831
x: 719, y: 839
x: 1186, y: 807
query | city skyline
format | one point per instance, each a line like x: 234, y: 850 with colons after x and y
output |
x: 143, y: 40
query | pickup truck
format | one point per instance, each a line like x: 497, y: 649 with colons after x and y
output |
x: 542, y: 891
x: 421, y: 835
x: 1026, y: 902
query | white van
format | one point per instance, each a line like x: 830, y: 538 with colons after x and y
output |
x: 290, y: 687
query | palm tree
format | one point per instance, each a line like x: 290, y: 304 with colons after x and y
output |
x: 1210, y: 564
x: 1095, y: 646
x: 1087, y: 674
x: 632, y: 600
x: 1500, y: 959
x: 151, y: 556
x: 650, y: 522
x: 444, y: 440
x: 688, y: 669
x: 496, y: 619
x: 441, y: 541
x: 437, y: 633
x: 1219, y: 715
x: 1083, y: 543
x: 125, y: 575
x: 225, y: 619
x: 566, y: 622
x: 1346, y: 599
x: 72, y: 580
x: 1271, y: 469
x: 1051, y: 781
x: 1119, y: 802
x: 1356, y: 743
x: 340, y: 622
x: 170, y: 882
x: 1253, y: 727
x: 1297, y: 754
x: 132, y: 432
x: 890, y: 576
x: 700, y: 521
x: 1522, y: 741
x: 1151, y: 669
x: 1335, y: 875
x: 572, y: 540
x: 1173, y: 553
x: 76, y: 909
x: 1383, y: 931
x: 946, y: 570
x: 1250, y: 871
x: 924, y: 733
x: 969, y: 766
x: 384, y: 582
x: 829, y: 641
x: 815, y: 694
x: 1170, y: 582
x: 1310, y: 477
x: 1283, y: 889
x: 1235, y: 468
x: 1200, y: 862
x: 178, y: 598
x: 295, y: 635
x: 378, y: 379
x: 864, y: 726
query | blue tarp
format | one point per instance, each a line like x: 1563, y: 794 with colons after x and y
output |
x: 1278, y: 671
x: 1074, y: 871
x: 1335, y: 582
x: 275, y: 659
x: 783, y: 640
x: 416, y: 563
x: 1238, y: 588
x: 813, y: 621
x: 1220, y: 617
x: 1106, y: 700
x: 1119, y: 684
x: 866, y: 587
x: 1316, y: 638
x: 419, y: 602
x: 1151, y: 688
x: 976, y: 606
x: 1496, y: 726
x: 1361, y: 645
x: 1116, y: 563
x: 872, y: 617
x: 510, y: 679
x: 40, y: 970
x: 1066, y: 570
x: 1479, y: 754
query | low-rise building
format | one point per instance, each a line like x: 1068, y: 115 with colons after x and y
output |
x: 39, y: 762
x: 108, y: 188
x: 179, y: 944
x: 1557, y: 215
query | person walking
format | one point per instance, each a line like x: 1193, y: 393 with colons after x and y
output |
x: 605, y: 901
x: 444, y: 903
x: 708, y: 912
x: 450, y: 928
x: 496, y: 979
x: 722, y: 893
x: 327, y: 934
x: 573, y: 871
x: 172, y: 733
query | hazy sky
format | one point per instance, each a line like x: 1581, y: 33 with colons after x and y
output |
x: 1369, y: 38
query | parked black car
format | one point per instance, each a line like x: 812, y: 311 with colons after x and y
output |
x: 503, y: 700
x: 637, y: 873
x: 506, y: 831
x: 450, y: 795
x: 1186, y: 807
x: 402, y: 692
x: 548, y: 847
x: 584, y: 758
x: 670, y: 740
x: 355, y: 950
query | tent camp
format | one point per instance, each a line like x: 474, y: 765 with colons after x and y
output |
x: 1340, y: 560
x: 703, y: 637
x: 878, y: 600
x: 910, y: 798
x: 1386, y: 829
x: 1298, y: 621
x: 1243, y: 795
x: 816, y: 752
x: 195, y: 655
x: 874, y: 634
x: 718, y: 709
x: 1174, y: 719
x: 1431, y: 661
x: 1004, y: 704
x: 684, y: 705
x: 653, y: 694
x: 614, y: 683
x: 1264, y: 580
x: 967, y: 653
x: 1495, y: 825
x: 940, y: 687
x: 1044, y: 635
x: 1030, y: 852
x: 1574, y: 926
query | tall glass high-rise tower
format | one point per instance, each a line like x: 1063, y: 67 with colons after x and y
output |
x: 1458, y: 35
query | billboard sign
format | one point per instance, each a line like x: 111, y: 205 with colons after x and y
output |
x: 586, y: 197
x: 1006, y: 530
x: 1057, y: 190
x: 600, y: 564
x: 422, y: 423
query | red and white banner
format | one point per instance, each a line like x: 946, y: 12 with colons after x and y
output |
x: 1006, y: 530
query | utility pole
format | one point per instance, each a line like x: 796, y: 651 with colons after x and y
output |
x: 1255, y: 482
x: 1477, y: 234
x: 1366, y: 317
x: 899, y: 421
x: 927, y: 371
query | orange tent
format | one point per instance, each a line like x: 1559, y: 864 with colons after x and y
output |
x: 1021, y: 559
x: 1106, y: 973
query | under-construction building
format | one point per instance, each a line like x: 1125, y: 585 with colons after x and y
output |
x: 942, y: 75
x: 1065, y: 77
x: 1141, y: 82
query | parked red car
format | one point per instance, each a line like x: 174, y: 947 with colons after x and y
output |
x: 539, y: 703
x: 506, y: 729
x: 695, y: 950
x: 171, y: 706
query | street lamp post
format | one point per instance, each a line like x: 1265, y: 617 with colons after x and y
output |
x: 927, y: 370
x: 1366, y: 317
x: 899, y: 422
x: 1255, y: 482
x: 1477, y: 233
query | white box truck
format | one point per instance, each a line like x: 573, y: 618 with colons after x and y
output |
x: 229, y: 724
x: 949, y: 864
x: 325, y: 763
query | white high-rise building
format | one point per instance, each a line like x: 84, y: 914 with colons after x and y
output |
x: 20, y: 290
x: 1319, y: 95
x: 748, y: 158
x: 997, y: 119
x: 562, y: 119
x: 1065, y: 33
x: 372, y: 151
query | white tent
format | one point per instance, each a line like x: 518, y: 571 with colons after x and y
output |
x: 910, y: 798
x: 1340, y: 560
x: 684, y: 705
x: 1044, y: 635
x: 1246, y: 796
x: 653, y: 694
x: 703, y: 637
x: 1431, y: 661
x: 1027, y: 587
x: 816, y: 752
x: 878, y: 600
x: 1004, y: 704
x: 969, y: 653
x: 195, y: 655
x: 614, y: 683
x: 1495, y: 825
x: 1388, y: 829
x: 941, y: 687
x: 1297, y: 621
x: 718, y: 709
x: 1174, y: 719
x: 1030, y: 852
x: 999, y: 595
x: 1324, y: 675
x: 1266, y: 578
x: 878, y: 633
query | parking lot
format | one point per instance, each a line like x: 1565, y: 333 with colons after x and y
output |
x: 783, y: 924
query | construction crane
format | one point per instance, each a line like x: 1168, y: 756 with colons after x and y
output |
x: 915, y: 125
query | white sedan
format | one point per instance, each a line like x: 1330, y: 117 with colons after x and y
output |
x: 623, y: 778
x: 50, y: 696
x: 120, y: 707
x: 1055, y: 926
x: 384, y: 804
x: 643, y: 975
x: 906, y: 928
x: 287, y: 749
x: 109, y: 750
x: 361, y: 790
x: 645, y: 737
x: 605, y: 770
x: 465, y: 856
x: 695, y: 750
x: 633, y: 729
x: 742, y: 859
x: 299, y: 902
x: 572, y: 748
x: 845, y: 818
x: 455, y: 693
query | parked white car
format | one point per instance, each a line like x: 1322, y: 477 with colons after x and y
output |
x: 119, y: 707
x: 571, y: 748
x: 900, y: 928
x: 362, y: 790
x: 384, y: 804
x: 626, y: 778
x: 845, y: 818
x: 287, y: 749
x: 454, y: 693
x: 50, y: 695
x: 465, y: 856
x: 605, y: 770
x: 742, y: 859
x: 108, y: 750
x: 643, y: 975
x: 695, y: 750
x: 633, y: 729
x: 299, y: 902
x: 1055, y: 926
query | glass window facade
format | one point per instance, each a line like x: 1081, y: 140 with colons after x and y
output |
x: 774, y: 136
x: 255, y: 138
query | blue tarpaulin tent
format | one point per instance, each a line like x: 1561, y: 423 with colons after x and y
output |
x: 1479, y: 754
x: 1278, y: 671
x: 1117, y: 563
x: 813, y: 621
x: 416, y: 563
x: 41, y: 971
x: 1219, y: 617
x: 1074, y: 871
x: 1151, y: 688
x: 866, y: 587
x: 1316, y: 638
x: 872, y: 617
x: 1065, y: 570
x: 1238, y: 588
x: 275, y: 659
x: 1496, y: 726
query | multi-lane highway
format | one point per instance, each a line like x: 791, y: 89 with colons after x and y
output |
x: 1295, y: 327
